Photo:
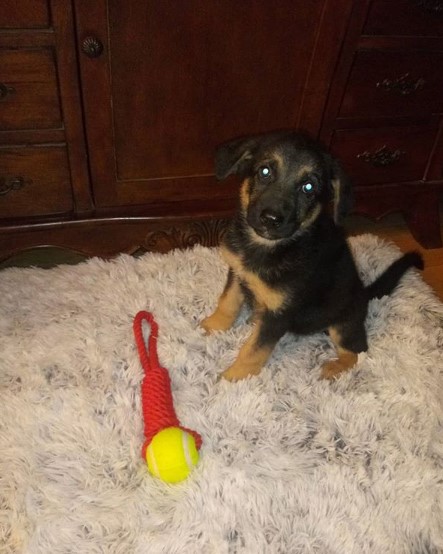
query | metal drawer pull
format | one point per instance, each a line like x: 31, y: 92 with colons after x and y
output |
x: 9, y: 184
x: 404, y: 85
x: 432, y: 6
x: 5, y: 91
x: 382, y: 157
x: 92, y: 47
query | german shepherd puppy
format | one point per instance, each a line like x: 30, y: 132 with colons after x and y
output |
x: 288, y: 256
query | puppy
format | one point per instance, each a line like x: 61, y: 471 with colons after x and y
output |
x: 288, y: 256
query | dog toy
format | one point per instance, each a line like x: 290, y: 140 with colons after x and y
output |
x: 170, y: 450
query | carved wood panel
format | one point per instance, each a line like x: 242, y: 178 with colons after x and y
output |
x: 107, y: 238
x: 206, y: 233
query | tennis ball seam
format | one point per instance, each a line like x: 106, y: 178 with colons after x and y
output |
x: 152, y: 461
x: 185, y: 442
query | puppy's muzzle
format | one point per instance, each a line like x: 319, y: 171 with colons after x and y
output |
x: 271, y: 219
x: 269, y: 223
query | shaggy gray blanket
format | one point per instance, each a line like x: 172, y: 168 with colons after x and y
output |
x: 289, y: 464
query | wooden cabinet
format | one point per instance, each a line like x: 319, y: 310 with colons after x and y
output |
x: 36, y: 181
x: 398, y: 83
x: 110, y: 111
x: 43, y: 171
x: 30, y: 91
x: 25, y: 14
x: 383, y: 116
x: 385, y: 154
x: 404, y: 18
x: 175, y: 79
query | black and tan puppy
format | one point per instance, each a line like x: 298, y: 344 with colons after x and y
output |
x: 287, y: 255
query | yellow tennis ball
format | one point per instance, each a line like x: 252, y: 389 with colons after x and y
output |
x: 171, y: 454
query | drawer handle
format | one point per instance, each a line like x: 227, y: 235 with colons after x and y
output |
x: 432, y: 6
x: 404, y: 85
x: 9, y: 184
x: 92, y: 47
x: 382, y: 157
x: 5, y: 91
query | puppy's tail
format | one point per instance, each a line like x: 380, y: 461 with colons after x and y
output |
x: 388, y: 280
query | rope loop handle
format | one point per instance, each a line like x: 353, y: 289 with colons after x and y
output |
x: 149, y: 360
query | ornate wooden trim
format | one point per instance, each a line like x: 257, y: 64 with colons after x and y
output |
x: 206, y: 233
x: 109, y: 237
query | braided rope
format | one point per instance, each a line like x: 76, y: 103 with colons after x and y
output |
x: 157, y: 404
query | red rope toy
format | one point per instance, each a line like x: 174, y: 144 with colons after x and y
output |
x: 157, y: 405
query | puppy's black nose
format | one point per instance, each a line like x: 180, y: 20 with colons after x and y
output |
x: 269, y: 218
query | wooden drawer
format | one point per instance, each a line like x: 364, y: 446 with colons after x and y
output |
x: 405, y: 18
x: 28, y: 90
x: 391, y: 84
x: 34, y: 181
x: 24, y: 14
x: 388, y: 155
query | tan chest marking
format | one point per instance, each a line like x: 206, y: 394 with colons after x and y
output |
x: 265, y: 295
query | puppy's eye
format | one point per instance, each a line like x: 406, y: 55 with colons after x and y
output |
x: 264, y: 173
x: 307, y: 188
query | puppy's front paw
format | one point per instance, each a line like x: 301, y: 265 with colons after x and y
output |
x: 206, y: 325
x: 215, y: 322
x: 231, y: 374
x: 238, y: 371
x: 332, y: 370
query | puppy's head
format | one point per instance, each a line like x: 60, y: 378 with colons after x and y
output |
x: 288, y: 179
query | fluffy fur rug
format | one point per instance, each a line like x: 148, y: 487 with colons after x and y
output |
x: 289, y: 464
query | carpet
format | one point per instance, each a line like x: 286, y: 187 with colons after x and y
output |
x: 289, y: 464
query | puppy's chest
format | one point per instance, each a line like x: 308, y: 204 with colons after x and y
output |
x: 270, y: 297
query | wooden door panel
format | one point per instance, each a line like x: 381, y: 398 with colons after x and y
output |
x: 27, y: 14
x: 175, y: 79
x: 200, y: 74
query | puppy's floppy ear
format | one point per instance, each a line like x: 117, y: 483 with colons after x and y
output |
x: 234, y: 157
x: 342, y: 195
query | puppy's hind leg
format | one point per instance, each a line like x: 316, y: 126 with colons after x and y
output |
x: 229, y: 305
x: 349, y: 342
